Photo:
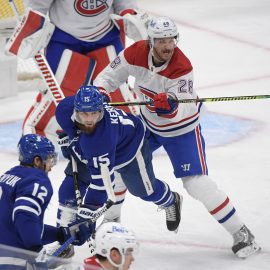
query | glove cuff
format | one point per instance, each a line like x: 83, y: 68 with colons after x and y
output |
x: 128, y: 11
x: 106, y: 95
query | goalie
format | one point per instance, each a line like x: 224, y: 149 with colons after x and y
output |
x: 81, y: 38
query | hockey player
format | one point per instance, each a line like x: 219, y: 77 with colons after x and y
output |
x: 83, y: 38
x: 100, y: 134
x: 164, y: 74
x: 25, y: 193
x: 114, y: 248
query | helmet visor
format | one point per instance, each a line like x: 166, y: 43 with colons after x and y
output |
x: 52, y: 159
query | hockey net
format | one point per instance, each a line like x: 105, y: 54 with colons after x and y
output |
x: 26, y: 69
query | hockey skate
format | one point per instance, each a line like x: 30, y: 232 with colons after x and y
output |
x: 244, y: 244
x: 173, y: 213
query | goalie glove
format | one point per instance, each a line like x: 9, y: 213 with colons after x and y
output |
x: 135, y: 23
x: 31, y: 35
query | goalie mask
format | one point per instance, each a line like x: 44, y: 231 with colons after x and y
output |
x: 33, y: 145
x: 112, y: 235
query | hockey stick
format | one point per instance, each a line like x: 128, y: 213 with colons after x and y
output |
x: 100, y: 212
x: 48, y: 77
x: 194, y: 100
x: 111, y: 200
x: 76, y: 181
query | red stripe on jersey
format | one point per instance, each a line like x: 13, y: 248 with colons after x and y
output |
x: 199, y: 143
x: 220, y: 206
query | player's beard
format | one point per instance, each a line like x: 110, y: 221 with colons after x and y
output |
x: 85, y: 129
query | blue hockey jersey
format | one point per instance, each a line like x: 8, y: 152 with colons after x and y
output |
x: 24, y: 196
x: 115, y: 141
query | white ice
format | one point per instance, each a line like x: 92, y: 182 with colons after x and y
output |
x: 228, y: 43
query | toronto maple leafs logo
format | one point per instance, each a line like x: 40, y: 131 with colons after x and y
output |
x: 90, y: 8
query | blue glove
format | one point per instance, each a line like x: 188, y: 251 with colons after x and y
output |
x: 81, y: 232
x: 63, y: 142
x: 165, y: 103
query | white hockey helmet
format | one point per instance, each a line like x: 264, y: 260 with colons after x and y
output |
x: 161, y: 27
x: 113, y: 235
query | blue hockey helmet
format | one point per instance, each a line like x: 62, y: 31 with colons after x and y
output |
x: 88, y: 99
x: 32, y: 145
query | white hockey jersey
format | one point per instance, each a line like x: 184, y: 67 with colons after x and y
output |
x: 175, y: 76
x: 87, y: 20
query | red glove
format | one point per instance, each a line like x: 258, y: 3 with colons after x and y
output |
x: 161, y: 101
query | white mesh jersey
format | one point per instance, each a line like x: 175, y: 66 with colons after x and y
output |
x: 84, y: 19
x: 175, y: 76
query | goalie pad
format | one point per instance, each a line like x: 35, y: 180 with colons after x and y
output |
x: 31, y: 35
x: 135, y: 26
x: 74, y: 70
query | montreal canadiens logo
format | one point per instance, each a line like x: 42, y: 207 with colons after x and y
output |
x: 148, y: 95
x: 90, y: 8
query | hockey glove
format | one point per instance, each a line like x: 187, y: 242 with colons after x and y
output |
x: 106, y: 96
x: 81, y: 232
x: 87, y: 211
x: 135, y: 23
x: 63, y: 142
x: 165, y: 103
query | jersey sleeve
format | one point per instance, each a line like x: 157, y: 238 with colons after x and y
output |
x: 32, y: 198
x: 33, y: 195
x: 115, y: 74
x: 41, y: 6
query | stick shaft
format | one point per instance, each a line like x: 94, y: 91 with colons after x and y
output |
x: 195, y: 100
x: 76, y: 181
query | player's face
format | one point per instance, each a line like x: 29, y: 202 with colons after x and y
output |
x: 128, y: 261
x: 47, y: 164
x: 89, y: 119
x: 163, y: 49
x: 128, y: 257
x: 50, y: 162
